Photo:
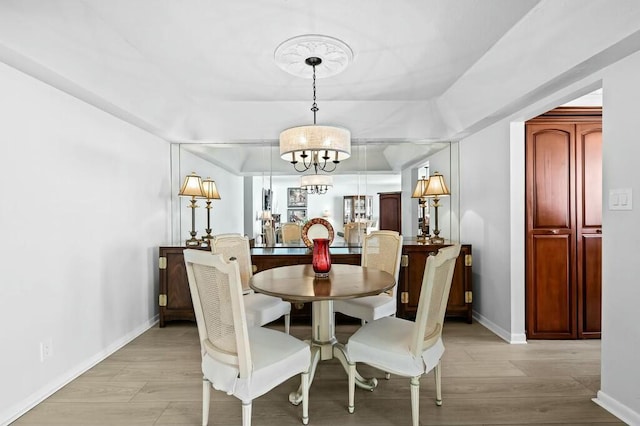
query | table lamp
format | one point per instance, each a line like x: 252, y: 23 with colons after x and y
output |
x: 421, y: 187
x: 192, y: 187
x: 436, y: 187
x: 210, y: 193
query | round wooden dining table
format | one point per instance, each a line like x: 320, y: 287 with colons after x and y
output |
x: 297, y: 283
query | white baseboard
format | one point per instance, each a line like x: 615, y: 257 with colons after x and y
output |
x: 12, y: 413
x: 616, y: 408
x: 513, y: 338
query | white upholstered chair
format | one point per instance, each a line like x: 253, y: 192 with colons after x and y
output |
x: 242, y: 361
x: 261, y: 309
x: 381, y: 250
x: 409, y: 348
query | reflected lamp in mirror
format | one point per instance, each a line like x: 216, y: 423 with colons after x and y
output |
x: 210, y: 192
x: 316, y: 184
x: 436, y: 188
x: 421, y: 187
x: 192, y: 187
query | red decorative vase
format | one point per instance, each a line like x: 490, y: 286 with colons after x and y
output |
x: 321, y: 257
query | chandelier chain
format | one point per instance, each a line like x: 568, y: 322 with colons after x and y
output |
x: 314, y: 107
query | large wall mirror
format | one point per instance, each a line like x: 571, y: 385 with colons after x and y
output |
x: 256, y: 185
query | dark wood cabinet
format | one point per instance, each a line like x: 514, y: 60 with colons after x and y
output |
x: 175, y: 298
x: 390, y: 217
x: 414, y: 258
x: 564, y: 224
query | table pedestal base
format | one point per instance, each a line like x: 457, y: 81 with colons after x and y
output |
x: 325, y: 346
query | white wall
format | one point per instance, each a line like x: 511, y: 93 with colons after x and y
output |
x: 620, y: 378
x: 484, y: 219
x: 85, y: 206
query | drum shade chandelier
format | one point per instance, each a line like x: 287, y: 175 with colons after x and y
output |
x: 314, y: 146
x: 316, y: 184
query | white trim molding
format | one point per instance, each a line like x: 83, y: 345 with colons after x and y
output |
x: 616, y: 408
x: 512, y: 338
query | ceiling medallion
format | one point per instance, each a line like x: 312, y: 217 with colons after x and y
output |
x: 335, y: 55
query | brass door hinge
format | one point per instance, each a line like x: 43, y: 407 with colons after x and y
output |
x: 162, y: 300
x: 162, y: 262
x: 404, y: 297
x: 468, y: 297
x: 404, y: 260
x: 468, y: 260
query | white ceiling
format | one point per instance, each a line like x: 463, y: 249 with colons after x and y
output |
x: 202, y: 71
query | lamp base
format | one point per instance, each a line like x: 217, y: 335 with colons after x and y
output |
x: 192, y: 242
x: 436, y: 240
x: 422, y: 238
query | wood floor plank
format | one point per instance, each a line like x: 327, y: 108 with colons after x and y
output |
x: 157, y: 378
x: 86, y: 390
x: 93, y: 414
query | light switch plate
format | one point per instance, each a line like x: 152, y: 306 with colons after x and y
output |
x: 620, y: 199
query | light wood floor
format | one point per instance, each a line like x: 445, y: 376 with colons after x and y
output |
x: 156, y: 380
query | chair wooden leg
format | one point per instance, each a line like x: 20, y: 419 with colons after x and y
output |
x: 287, y: 323
x: 438, y: 375
x: 352, y: 386
x: 246, y: 413
x: 206, y: 400
x: 415, y: 400
x: 305, y: 398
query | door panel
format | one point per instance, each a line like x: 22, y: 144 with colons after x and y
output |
x: 591, y: 288
x: 552, y: 311
x: 551, y: 153
x: 589, y: 227
x: 590, y: 174
x: 550, y: 197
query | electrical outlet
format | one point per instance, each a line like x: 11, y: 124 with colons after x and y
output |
x: 46, y: 349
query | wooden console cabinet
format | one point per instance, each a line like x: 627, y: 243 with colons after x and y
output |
x: 414, y: 258
x: 175, y: 299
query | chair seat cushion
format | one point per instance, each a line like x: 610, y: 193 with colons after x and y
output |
x: 369, y: 308
x: 276, y: 357
x: 385, y: 344
x: 261, y: 309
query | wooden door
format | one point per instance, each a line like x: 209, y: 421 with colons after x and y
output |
x: 564, y: 224
x: 390, y: 211
x: 550, y: 248
x: 589, y: 227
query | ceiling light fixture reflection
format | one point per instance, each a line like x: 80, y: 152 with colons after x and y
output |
x: 316, y: 184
